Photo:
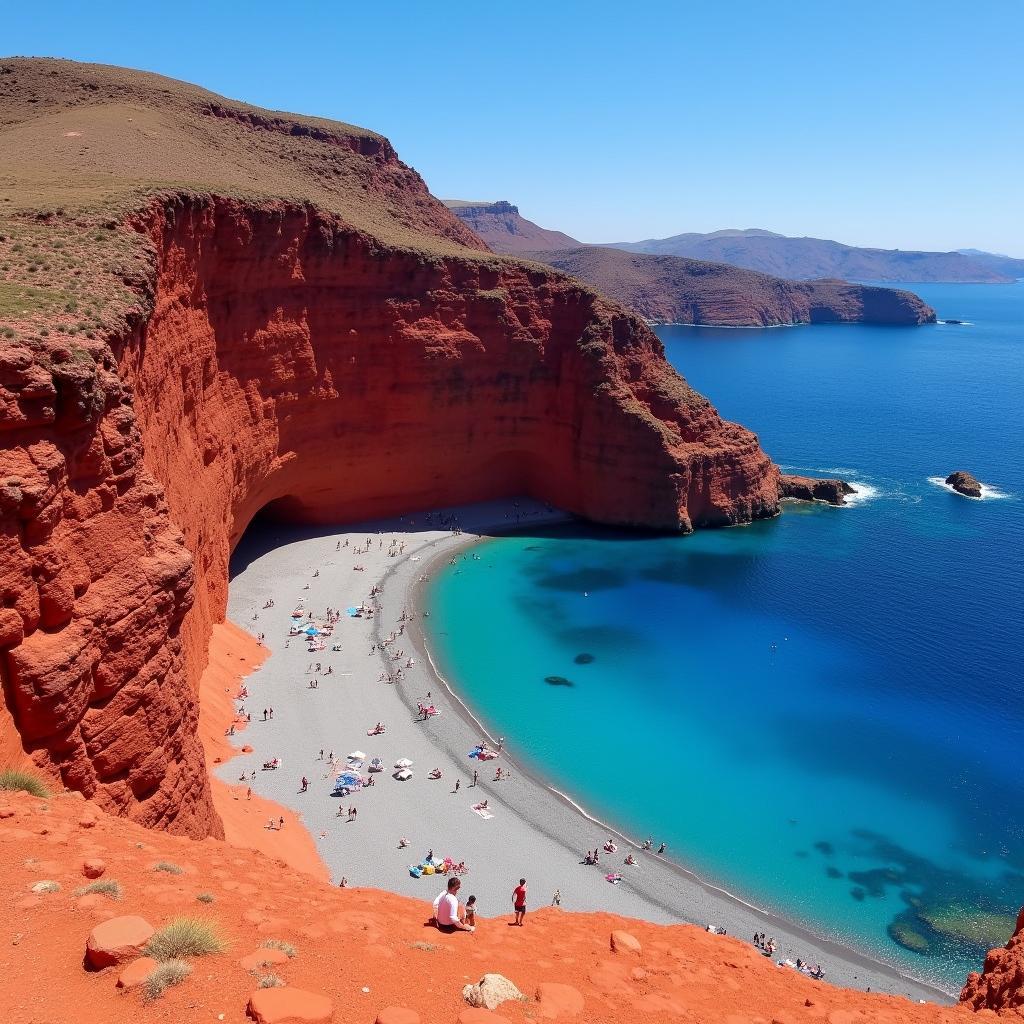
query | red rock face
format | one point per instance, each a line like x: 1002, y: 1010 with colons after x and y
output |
x: 290, y: 360
x: 95, y: 582
x: 1000, y: 986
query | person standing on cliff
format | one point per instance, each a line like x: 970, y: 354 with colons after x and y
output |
x: 519, y: 902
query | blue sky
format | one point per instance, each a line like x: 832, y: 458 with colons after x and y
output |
x: 896, y: 123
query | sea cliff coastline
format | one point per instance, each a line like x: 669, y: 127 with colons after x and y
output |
x: 536, y: 829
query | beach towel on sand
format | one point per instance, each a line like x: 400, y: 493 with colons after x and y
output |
x: 482, y: 811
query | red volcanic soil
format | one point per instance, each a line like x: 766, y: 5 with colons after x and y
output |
x: 364, y: 951
x: 232, y: 655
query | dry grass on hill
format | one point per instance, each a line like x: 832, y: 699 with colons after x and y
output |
x: 88, y: 137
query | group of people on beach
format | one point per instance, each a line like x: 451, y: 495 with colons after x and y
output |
x: 611, y: 847
x: 768, y: 948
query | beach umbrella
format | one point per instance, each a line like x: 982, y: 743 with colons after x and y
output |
x: 403, y: 763
x: 357, y: 755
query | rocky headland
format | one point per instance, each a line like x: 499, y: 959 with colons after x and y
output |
x: 668, y: 289
x: 964, y: 483
x: 675, y: 290
x: 505, y: 229
x: 208, y: 310
x: 808, y: 488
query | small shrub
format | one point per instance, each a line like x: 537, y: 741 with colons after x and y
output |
x: 171, y: 972
x: 106, y: 886
x: 286, y: 947
x: 271, y: 981
x: 171, y: 869
x: 15, y: 779
x: 185, y: 936
x: 427, y: 947
x: 46, y: 886
x: 205, y: 897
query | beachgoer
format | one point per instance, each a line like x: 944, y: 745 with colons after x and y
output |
x: 476, y: 775
x: 248, y: 793
x: 264, y: 714
x: 457, y: 783
x: 305, y: 784
x: 471, y: 910
x: 661, y: 849
x: 447, y: 915
x: 519, y: 901
x: 343, y: 884
x: 556, y: 900
x: 280, y: 822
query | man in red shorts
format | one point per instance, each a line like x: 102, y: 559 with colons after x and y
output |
x: 519, y: 901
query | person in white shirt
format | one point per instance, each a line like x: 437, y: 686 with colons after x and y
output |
x: 446, y: 909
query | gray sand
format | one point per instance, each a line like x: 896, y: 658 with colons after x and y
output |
x: 534, y: 832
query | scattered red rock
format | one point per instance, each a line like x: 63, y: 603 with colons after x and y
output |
x: 263, y: 957
x: 117, y: 940
x: 136, y: 973
x: 398, y: 1015
x: 558, y: 1000
x: 623, y: 942
x: 289, y: 1006
x: 93, y: 867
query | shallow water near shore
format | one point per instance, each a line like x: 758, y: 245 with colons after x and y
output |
x: 822, y: 712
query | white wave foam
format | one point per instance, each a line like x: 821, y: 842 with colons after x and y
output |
x: 862, y: 492
x: 841, y: 471
x: 988, y: 492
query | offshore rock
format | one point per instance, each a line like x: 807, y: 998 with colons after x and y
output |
x: 964, y: 483
x: 808, y: 488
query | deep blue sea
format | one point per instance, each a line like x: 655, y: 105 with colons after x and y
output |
x: 827, y: 709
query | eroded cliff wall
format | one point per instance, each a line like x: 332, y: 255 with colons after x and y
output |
x: 287, y: 358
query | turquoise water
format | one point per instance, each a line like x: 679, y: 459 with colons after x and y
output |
x: 824, y: 712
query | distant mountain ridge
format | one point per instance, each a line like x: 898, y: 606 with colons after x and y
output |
x: 505, y: 230
x: 502, y: 227
x: 674, y: 289
x: 810, y: 258
x: 995, y: 261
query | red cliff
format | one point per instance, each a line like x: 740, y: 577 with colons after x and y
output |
x: 173, y: 362
x: 1000, y: 986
